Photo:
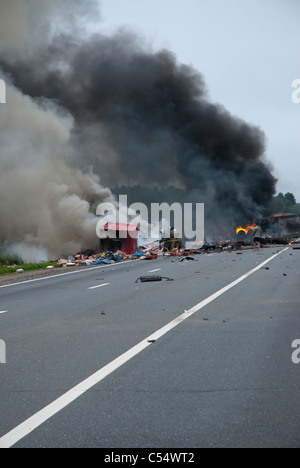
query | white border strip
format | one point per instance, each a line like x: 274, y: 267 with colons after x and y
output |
x: 28, y: 426
x: 69, y: 273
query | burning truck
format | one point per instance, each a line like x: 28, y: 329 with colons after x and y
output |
x: 277, y: 229
x: 281, y: 228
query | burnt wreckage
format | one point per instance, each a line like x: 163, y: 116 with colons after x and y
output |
x: 282, y: 228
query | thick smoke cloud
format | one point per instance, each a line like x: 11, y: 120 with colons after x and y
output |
x: 47, y: 202
x: 44, y: 201
x: 144, y: 121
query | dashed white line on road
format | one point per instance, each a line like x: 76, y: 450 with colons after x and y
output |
x: 153, y: 271
x: 99, y: 286
x: 28, y: 426
x: 3, y: 312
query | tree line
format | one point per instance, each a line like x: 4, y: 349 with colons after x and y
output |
x: 285, y: 204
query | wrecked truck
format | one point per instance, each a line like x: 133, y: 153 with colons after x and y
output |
x: 284, y: 227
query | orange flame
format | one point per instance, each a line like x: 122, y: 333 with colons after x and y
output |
x: 244, y: 229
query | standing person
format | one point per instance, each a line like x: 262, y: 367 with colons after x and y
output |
x: 257, y: 237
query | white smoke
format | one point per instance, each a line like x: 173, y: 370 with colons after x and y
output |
x: 45, y: 202
x: 28, y: 254
x: 28, y: 24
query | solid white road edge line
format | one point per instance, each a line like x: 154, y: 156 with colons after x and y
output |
x: 65, y: 274
x: 100, y: 286
x: 28, y: 426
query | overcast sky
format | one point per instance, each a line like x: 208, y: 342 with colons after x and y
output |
x: 248, y: 52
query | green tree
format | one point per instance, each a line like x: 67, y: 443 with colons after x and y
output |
x: 290, y: 199
x: 284, y: 204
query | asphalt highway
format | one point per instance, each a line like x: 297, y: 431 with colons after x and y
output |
x: 204, y: 360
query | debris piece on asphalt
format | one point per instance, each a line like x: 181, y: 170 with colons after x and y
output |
x: 151, y: 341
x: 184, y: 258
x: 149, y: 279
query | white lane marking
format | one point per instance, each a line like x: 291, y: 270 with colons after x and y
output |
x: 3, y: 312
x: 153, y: 271
x: 207, y: 301
x: 100, y: 286
x: 28, y: 426
x: 65, y: 274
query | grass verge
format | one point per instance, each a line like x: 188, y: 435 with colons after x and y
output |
x: 7, y: 270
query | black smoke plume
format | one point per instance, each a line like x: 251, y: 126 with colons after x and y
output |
x: 144, y: 122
